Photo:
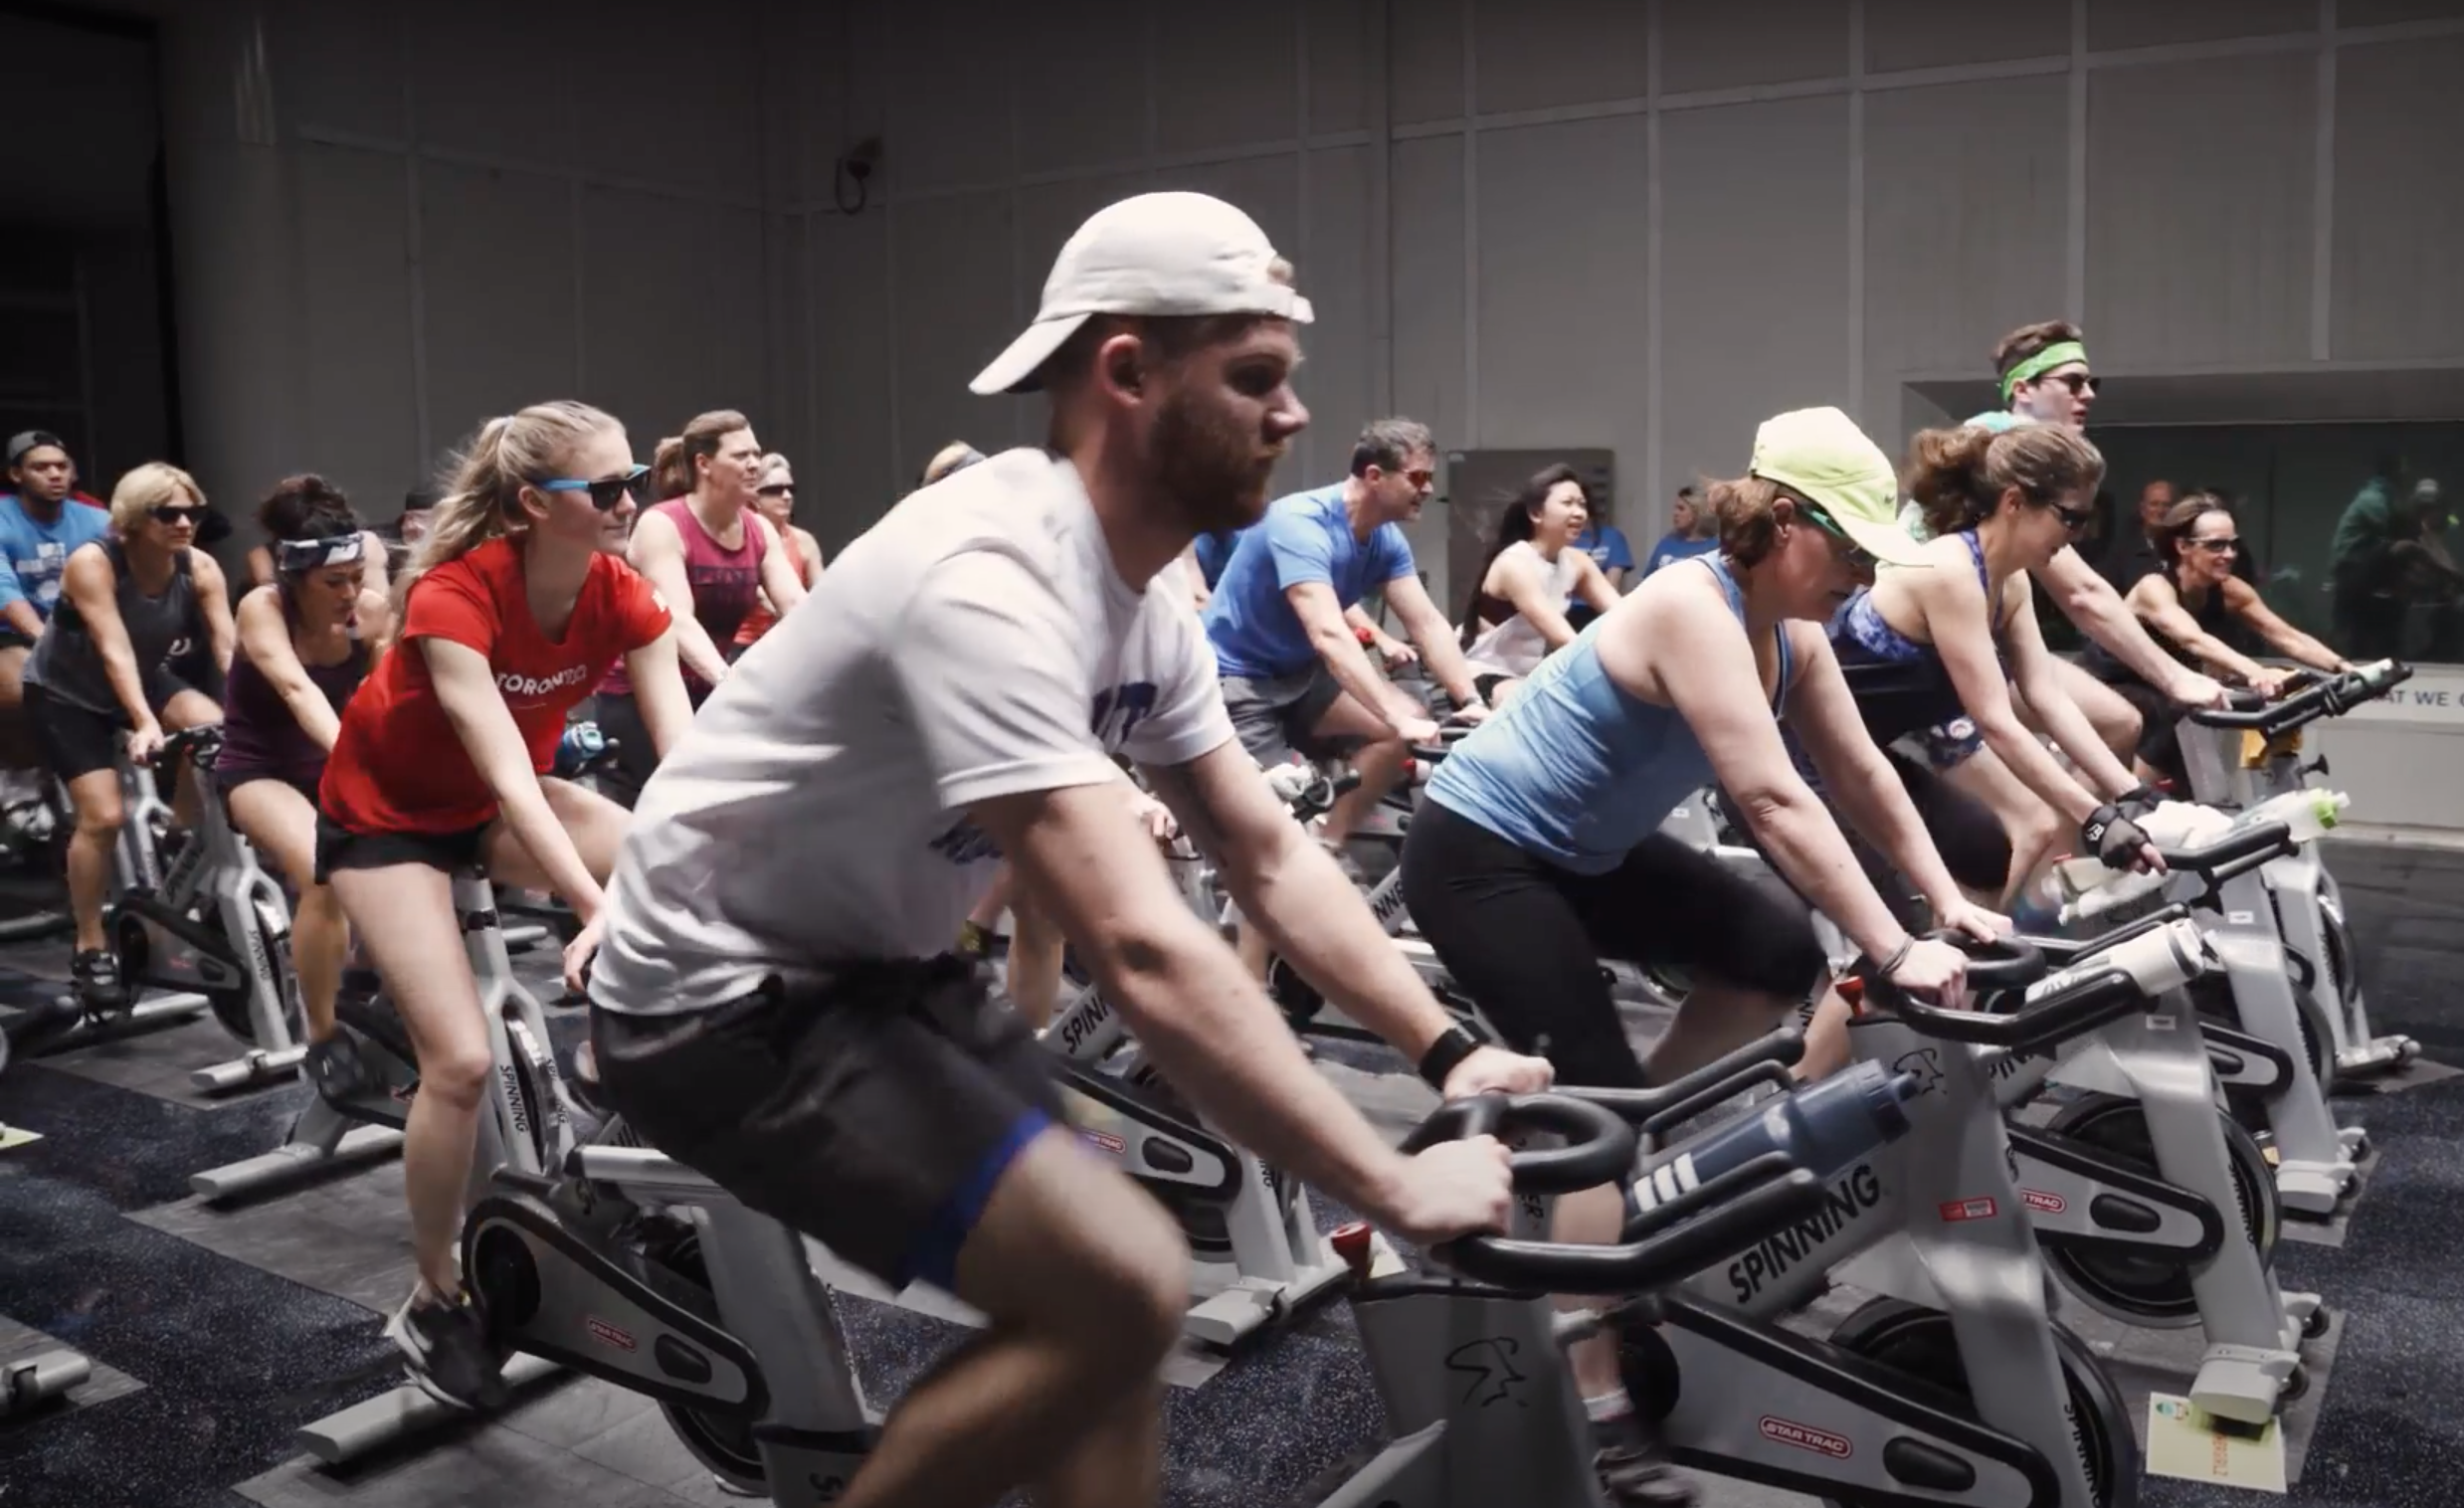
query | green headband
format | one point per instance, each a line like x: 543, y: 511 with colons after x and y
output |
x: 2060, y: 353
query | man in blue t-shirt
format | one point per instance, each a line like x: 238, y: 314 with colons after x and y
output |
x: 41, y: 525
x: 1692, y: 531
x: 1295, y: 676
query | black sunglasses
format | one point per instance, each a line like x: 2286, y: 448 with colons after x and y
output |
x: 2074, y: 519
x: 605, y: 493
x: 778, y: 489
x: 2077, y: 382
x: 177, y: 512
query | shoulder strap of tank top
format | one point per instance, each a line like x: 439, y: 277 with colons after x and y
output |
x: 117, y: 554
x: 1976, y: 553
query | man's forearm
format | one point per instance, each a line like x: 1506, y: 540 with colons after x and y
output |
x: 1298, y: 897
x: 1444, y: 658
x: 1217, y: 1039
x: 1349, y: 663
x: 2090, y: 602
x: 22, y: 617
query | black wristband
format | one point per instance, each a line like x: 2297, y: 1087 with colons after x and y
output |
x: 1447, y: 1053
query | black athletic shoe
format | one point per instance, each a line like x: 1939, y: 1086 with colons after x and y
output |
x: 336, y: 1068
x: 94, y: 976
x: 447, y: 1354
x: 1633, y: 1470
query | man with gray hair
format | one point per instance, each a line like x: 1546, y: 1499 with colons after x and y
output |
x: 1296, y: 678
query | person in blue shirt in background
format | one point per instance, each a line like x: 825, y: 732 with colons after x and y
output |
x: 1691, y: 532
x: 42, y: 523
x: 1295, y: 676
x: 1605, y: 543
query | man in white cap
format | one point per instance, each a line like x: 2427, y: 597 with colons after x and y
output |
x: 776, y: 1003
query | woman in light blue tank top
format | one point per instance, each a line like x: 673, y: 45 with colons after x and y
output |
x: 1539, y: 850
x: 2000, y: 505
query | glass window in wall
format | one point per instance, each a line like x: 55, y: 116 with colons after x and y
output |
x: 2347, y: 530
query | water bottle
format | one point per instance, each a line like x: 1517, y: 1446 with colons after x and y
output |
x: 1824, y: 1127
x: 582, y: 743
x: 2085, y: 887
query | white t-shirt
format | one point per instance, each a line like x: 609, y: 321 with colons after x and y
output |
x: 978, y: 642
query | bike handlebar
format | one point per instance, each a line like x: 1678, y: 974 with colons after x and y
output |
x: 1667, y: 1246
x: 2093, y: 998
x: 1600, y: 1143
x: 2323, y: 696
x: 201, y: 743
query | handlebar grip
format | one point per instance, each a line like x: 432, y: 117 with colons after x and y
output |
x: 2097, y: 997
x: 1687, y: 1234
x: 2264, y: 839
x: 2006, y: 964
x: 1601, y: 1145
x: 1723, y: 1079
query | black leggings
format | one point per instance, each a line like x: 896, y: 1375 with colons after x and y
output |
x: 1974, y: 844
x: 1524, y: 937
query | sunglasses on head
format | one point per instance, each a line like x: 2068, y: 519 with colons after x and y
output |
x: 179, y: 512
x: 605, y: 492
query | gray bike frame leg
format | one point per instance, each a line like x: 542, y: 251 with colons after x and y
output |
x: 767, y: 1293
x: 2249, y: 1353
x: 2315, y: 1168
x: 1968, y: 1230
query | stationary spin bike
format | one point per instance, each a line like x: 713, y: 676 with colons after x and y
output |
x: 219, y: 925
x: 1257, y: 1254
x: 1956, y: 1384
x: 2243, y: 757
x: 136, y: 869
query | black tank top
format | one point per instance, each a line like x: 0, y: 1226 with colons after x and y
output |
x: 69, y: 666
x: 2213, y: 618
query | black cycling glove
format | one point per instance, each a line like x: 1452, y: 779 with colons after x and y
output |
x: 2113, y: 837
x: 2139, y: 801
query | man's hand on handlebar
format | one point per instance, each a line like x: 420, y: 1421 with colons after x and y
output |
x: 1154, y: 815
x: 1934, y: 971
x: 2271, y: 682
x: 145, y: 740
x: 1418, y: 732
x: 1395, y: 651
x: 1471, y: 714
x: 2191, y: 689
x: 1494, y: 1070
x: 1455, y: 1188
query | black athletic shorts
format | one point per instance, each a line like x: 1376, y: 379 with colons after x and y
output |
x: 2159, y: 732
x: 636, y: 758
x: 1524, y: 937
x: 339, y: 848
x: 78, y: 740
x: 875, y: 1114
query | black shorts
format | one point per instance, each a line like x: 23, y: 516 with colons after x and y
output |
x: 2159, y: 732
x: 875, y: 1114
x: 339, y: 848
x: 78, y: 740
x: 1523, y: 937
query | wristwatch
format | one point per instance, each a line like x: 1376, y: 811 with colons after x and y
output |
x: 1447, y: 1053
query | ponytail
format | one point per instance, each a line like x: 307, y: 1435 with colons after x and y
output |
x: 1957, y: 477
x: 671, y: 475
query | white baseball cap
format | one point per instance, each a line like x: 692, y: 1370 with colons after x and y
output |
x: 1162, y: 254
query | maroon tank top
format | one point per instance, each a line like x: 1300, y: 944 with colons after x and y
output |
x: 727, y: 585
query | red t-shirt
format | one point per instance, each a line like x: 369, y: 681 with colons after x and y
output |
x: 398, y: 766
